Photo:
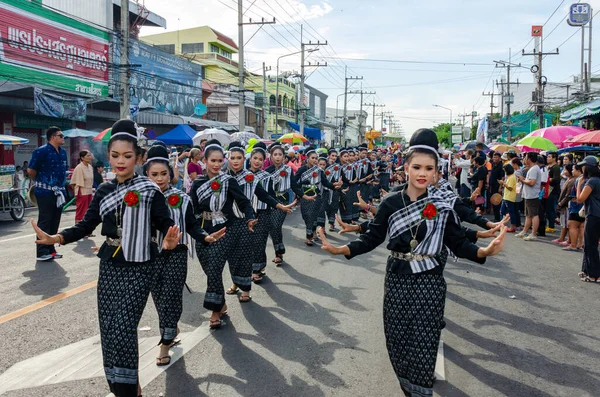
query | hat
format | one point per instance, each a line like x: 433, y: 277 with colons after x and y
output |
x: 589, y: 160
x: 504, y: 156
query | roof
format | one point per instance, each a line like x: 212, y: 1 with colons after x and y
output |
x: 225, y: 39
x: 581, y: 111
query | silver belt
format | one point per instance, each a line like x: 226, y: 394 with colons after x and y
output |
x: 408, y: 256
x: 212, y: 215
x: 116, y: 242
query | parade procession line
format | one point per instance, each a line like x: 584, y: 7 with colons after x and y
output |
x: 85, y: 362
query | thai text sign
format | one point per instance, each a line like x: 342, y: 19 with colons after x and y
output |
x: 48, y: 48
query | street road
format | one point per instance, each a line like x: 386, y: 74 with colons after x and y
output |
x: 520, y: 325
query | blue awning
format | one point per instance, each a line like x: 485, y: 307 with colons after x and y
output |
x: 579, y: 149
x: 180, y: 135
x: 312, y: 133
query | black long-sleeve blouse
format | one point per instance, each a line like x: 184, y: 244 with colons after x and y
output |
x: 284, y: 198
x: 324, y: 181
x: 159, y: 216
x: 454, y: 237
x: 234, y: 193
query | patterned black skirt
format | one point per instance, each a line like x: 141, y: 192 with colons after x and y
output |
x: 310, y: 211
x: 413, y: 310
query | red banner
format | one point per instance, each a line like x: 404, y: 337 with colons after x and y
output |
x: 45, y: 45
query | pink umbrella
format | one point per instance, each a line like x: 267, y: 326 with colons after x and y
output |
x: 558, y: 134
x: 589, y: 138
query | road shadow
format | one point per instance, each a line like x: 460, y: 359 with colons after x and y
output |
x: 193, y: 313
x: 317, y: 286
x: 500, y: 269
x: 292, y: 345
x: 8, y: 225
x: 179, y: 383
x: 46, y: 280
x: 525, y: 360
x: 84, y: 248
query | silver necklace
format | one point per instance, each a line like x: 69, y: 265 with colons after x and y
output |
x: 413, y: 242
x: 119, y: 212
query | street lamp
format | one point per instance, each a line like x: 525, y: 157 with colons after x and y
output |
x: 337, y: 99
x: 277, y: 86
x: 443, y: 107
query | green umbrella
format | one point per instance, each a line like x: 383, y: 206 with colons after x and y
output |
x: 537, y: 142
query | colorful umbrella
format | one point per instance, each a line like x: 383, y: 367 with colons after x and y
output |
x: 502, y: 148
x: 244, y: 137
x: 296, y: 148
x: 558, y: 134
x: 535, y: 142
x: 293, y: 138
x: 590, y: 137
x: 12, y: 140
x: 103, y: 136
x: 79, y: 133
x: 321, y: 150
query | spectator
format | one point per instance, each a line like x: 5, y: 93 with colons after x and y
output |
x: 83, y: 181
x: 479, y: 150
x: 496, y: 175
x: 588, y: 193
x: 24, y: 168
x: 194, y: 169
x: 48, y: 168
x: 464, y: 165
x: 98, y: 171
x: 478, y: 180
x: 531, y: 192
x: 541, y: 162
x: 554, y: 179
x: 563, y: 203
x: 509, y: 199
x: 576, y: 221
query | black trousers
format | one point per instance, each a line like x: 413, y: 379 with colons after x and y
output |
x: 48, y: 220
x: 591, y: 258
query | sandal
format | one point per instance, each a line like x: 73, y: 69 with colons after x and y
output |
x: 223, y: 311
x: 215, y: 324
x: 245, y: 298
x: 257, y: 278
x: 331, y: 228
x: 587, y: 279
x: 232, y: 291
x: 278, y: 260
x: 571, y: 249
x: 581, y: 274
x: 309, y: 243
x: 161, y: 363
x: 175, y: 343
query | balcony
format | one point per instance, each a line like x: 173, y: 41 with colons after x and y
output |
x: 285, y: 112
x: 216, y: 57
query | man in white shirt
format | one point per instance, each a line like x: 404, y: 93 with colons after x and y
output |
x: 532, y: 184
x: 465, y: 166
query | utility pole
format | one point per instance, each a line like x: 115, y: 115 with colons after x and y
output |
x: 541, y: 83
x: 383, y: 114
x: 491, y: 117
x: 346, y: 78
x: 362, y: 93
x: 508, y: 98
x: 124, y: 69
x: 374, y: 106
x: 303, y: 45
x: 265, y: 101
x: 241, y: 71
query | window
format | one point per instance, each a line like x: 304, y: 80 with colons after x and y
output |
x: 215, y: 49
x: 192, y: 48
x: 168, y: 48
x: 226, y: 54
x: 272, y: 100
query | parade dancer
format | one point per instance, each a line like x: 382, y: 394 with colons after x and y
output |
x: 386, y: 173
x: 333, y: 201
x: 167, y: 291
x: 310, y: 180
x: 350, y: 187
x: 213, y: 196
x: 128, y: 207
x: 282, y: 181
x: 421, y: 223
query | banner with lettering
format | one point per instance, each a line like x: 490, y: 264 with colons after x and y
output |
x: 52, y: 104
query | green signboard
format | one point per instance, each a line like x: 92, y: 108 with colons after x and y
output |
x: 40, y: 46
x: 41, y: 122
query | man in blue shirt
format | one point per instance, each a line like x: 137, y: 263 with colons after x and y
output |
x: 48, y: 170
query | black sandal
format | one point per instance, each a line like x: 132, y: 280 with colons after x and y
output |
x: 588, y: 279
x: 278, y: 261
x: 232, y: 291
x: 215, y: 324
x: 245, y: 298
x: 257, y: 278
x: 309, y: 243
x: 160, y: 363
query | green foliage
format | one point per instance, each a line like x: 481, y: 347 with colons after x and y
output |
x: 444, y: 132
x: 473, y: 133
x: 518, y: 136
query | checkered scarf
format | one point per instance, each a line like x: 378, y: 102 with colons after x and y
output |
x: 178, y: 216
x: 247, y: 187
x: 348, y: 171
x: 217, y: 199
x: 282, y: 184
x: 307, y: 177
x: 135, y: 239
x: 363, y: 167
x: 445, y: 185
x: 410, y: 217
x: 264, y: 178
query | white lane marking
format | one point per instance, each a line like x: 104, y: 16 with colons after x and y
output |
x: 440, y: 366
x: 26, y: 236
x: 84, y: 360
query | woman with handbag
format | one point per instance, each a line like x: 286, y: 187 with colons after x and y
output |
x: 83, y: 181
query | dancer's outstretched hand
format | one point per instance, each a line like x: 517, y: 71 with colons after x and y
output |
x: 43, y: 237
x: 172, y: 238
x: 382, y: 192
x: 495, y: 246
x: 361, y: 203
x: 213, y: 237
x: 502, y: 222
x: 309, y: 198
x: 490, y: 233
x: 286, y: 208
x: 326, y: 246
x: 346, y: 228
x: 251, y: 224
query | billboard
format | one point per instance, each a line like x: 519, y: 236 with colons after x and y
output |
x: 161, y: 81
x: 38, y: 45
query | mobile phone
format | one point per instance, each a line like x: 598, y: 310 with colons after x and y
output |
x: 173, y: 149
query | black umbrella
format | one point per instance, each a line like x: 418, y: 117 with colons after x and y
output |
x: 471, y: 145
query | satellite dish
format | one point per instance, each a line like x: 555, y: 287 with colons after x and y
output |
x: 200, y: 109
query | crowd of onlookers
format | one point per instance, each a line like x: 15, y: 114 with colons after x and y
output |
x: 555, y: 194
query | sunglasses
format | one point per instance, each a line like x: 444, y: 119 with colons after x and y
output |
x: 60, y: 135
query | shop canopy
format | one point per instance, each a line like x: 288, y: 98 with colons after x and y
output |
x: 180, y: 135
x: 312, y: 133
x: 581, y: 111
x: 12, y: 140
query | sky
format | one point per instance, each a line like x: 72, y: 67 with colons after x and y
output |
x: 412, y: 53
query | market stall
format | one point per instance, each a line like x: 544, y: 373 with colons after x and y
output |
x: 11, y: 200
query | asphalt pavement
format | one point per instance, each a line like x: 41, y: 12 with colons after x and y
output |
x: 523, y: 324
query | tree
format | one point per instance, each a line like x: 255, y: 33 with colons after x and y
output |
x: 444, y: 134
